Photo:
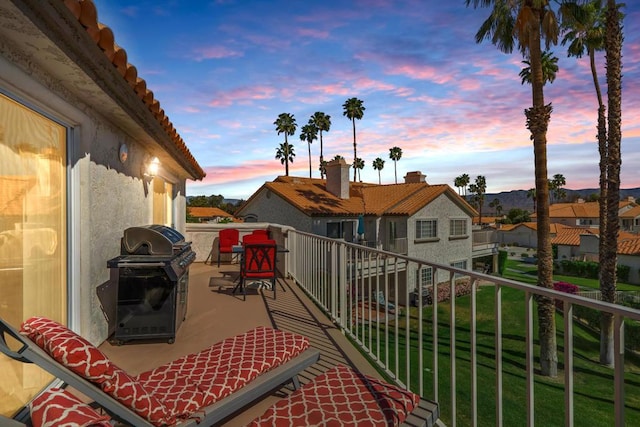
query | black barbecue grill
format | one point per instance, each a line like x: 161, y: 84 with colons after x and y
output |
x: 152, y: 274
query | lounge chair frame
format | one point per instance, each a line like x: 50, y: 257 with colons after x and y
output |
x: 30, y: 352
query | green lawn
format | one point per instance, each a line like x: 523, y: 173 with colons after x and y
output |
x: 593, y: 383
x: 527, y: 273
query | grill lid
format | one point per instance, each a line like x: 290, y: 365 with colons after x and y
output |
x: 152, y: 239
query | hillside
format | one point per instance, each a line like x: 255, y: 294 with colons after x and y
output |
x: 518, y: 198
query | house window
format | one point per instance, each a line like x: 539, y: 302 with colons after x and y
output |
x: 460, y: 264
x: 426, y: 228
x: 458, y: 227
x: 425, y: 277
x: 333, y: 230
x: 33, y: 235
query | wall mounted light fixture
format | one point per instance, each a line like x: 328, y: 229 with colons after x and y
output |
x: 152, y: 168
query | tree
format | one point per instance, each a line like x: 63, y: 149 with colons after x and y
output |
x: 322, y: 121
x: 285, y: 123
x: 556, y: 186
x: 378, y: 164
x: 608, y: 248
x: 478, y: 189
x: 528, y: 22
x: 495, y: 204
x: 458, y: 185
x: 531, y: 194
x: 586, y: 32
x: 353, y: 109
x: 516, y: 216
x: 395, y: 154
x: 309, y: 133
x: 337, y: 157
x: 358, y: 165
x: 286, y: 154
x: 549, y: 69
x: 465, y: 180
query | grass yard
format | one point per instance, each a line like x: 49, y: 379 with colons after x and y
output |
x: 593, y: 383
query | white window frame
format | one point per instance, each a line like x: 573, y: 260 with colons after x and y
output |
x: 432, y: 228
x: 454, y: 224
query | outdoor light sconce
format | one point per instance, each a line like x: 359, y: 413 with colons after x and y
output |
x: 152, y: 169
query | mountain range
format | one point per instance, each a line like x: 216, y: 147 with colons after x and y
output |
x: 518, y: 198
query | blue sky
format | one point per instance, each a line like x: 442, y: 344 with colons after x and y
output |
x: 223, y: 71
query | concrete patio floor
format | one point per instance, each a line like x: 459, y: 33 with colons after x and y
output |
x: 213, y: 314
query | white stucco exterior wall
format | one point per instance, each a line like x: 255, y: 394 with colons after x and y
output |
x: 105, y: 195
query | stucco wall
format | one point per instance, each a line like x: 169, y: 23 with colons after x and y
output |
x: 269, y: 207
x: 105, y: 195
x: 445, y: 249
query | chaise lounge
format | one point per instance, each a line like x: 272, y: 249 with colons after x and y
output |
x: 201, y: 388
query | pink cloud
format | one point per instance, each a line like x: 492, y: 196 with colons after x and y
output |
x: 214, y: 52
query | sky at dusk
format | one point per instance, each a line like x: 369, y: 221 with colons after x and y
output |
x: 223, y: 70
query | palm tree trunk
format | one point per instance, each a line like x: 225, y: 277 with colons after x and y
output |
x: 537, y: 121
x: 355, y: 155
x: 309, y: 147
x: 395, y: 170
x: 608, y: 258
x: 321, y: 158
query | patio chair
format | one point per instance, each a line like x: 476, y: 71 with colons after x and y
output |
x: 227, y: 239
x: 200, y: 388
x: 261, y: 232
x: 382, y: 301
x: 344, y: 397
x: 258, y: 264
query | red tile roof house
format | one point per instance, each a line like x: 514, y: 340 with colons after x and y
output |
x: 206, y: 214
x: 583, y: 244
x: 78, y: 131
x: 414, y: 218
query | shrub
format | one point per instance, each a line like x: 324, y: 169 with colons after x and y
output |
x: 568, y: 288
x: 502, y: 262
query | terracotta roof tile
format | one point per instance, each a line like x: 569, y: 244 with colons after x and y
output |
x: 634, y: 212
x: 207, y: 212
x: 86, y: 13
x: 310, y: 196
x: 629, y: 247
x: 570, y: 236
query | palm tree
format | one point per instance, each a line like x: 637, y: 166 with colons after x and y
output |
x: 395, y: 154
x: 549, y: 68
x: 358, y: 165
x: 309, y: 133
x: 608, y: 249
x: 285, y: 123
x: 531, y: 194
x: 286, y: 154
x: 496, y: 205
x: 323, y: 168
x: 464, y: 181
x: 337, y: 157
x: 557, y: 183
x: 323, y: 122
x: 585, y: 33
x: 353, y: 109
x: 528, y: 22
x: 378, y: 164
x: 478, y: 189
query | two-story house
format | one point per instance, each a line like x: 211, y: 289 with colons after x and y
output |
x: 414, y: 218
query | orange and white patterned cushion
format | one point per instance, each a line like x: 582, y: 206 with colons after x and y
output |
x: 342, y: 397
x: 68, y: 348
x: 59, y: 408
x: 230, y: 364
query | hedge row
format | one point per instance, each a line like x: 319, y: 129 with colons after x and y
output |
x: 590, y: 269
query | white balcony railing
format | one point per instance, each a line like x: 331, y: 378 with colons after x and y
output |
x: 345, y: 280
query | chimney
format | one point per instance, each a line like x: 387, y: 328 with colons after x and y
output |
x: 338, y: 178
x: 414, y: 177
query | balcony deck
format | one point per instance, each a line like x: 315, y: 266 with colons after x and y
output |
x: 214, y: 314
